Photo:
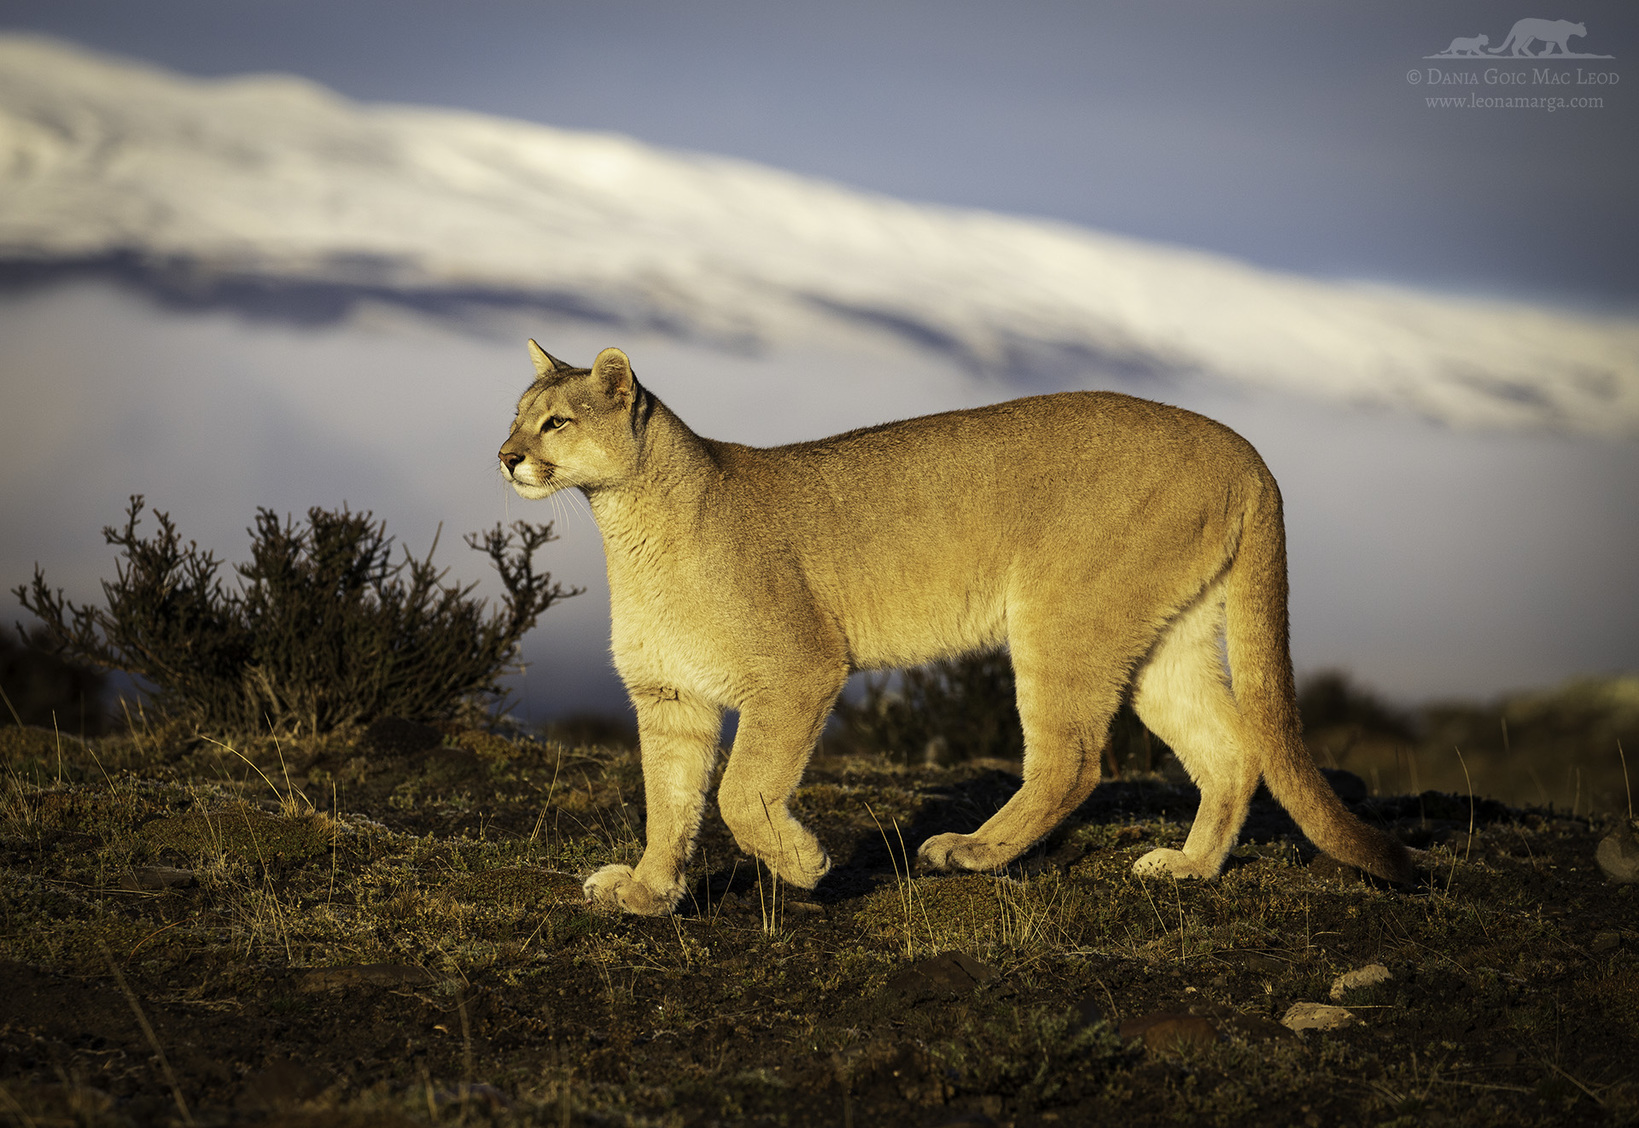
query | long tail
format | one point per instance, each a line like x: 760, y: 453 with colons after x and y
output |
x: 1260, y: 667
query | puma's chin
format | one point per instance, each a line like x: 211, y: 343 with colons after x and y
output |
x: 533, y: 492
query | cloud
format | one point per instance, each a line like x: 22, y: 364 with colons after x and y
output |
x: 271, y: 193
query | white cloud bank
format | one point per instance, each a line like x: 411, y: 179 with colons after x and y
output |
x: 1430, y: 562
x: 275, y: 180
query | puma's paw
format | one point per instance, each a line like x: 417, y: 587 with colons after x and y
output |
x: 803, y: 868
x: 795, y: 856
x: 962, y: 852
x: 618, y: 887
x: 1170, y: 863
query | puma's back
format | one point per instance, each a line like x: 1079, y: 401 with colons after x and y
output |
x: 921, y: 528
x: 1115, y: 546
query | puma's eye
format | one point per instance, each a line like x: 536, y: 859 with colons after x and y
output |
x: 553, y: 424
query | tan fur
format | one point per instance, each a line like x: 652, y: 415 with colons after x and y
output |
x: 1109, y: 542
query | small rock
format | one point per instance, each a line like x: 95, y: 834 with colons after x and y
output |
x: 1317, y: 1016
x: 1605, y: 942
x: 1618, y: 854
x: 143, y: 878
x: 1170, y: 1031
x: 1369, y: 976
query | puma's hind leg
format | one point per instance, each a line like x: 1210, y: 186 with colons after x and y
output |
x: 1065, y: 708
x: 1182, y: 695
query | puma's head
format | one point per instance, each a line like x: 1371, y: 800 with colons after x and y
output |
x: 574, y: 425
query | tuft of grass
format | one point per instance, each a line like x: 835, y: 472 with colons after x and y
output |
x: 904, y: 887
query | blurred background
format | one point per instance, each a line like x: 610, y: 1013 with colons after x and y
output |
x: 288, y: 255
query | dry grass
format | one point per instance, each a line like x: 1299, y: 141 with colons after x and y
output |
x: 328, y: 931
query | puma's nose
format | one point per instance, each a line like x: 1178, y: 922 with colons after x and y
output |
x: 510, y: 460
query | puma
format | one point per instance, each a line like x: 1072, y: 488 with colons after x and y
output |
x: 1552, y: 33
x: 1470, y: 45
x: 1113, y: 545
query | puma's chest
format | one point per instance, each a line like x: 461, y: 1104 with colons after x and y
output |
x: 671, y: 622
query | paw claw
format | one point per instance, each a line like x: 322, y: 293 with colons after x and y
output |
x: 1169, y: 863
x: 618, y: 887
x: 803, y: 872
x: 962, y: 852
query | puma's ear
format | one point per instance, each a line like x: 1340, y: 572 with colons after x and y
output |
x: 545, y: 363
x: 613, y: 372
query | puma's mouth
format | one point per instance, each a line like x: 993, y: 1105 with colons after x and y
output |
x: 532, y: 482
x: 540, y: 474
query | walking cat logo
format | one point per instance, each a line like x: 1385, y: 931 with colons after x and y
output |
x: 1527, y: 39
x: 1470, y: 45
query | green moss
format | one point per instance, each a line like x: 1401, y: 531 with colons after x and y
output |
x: 518, y: 885
x: 42, y: 757
x: 985, y: 915
x: 21, y: 745
x: 79, y: 942
x: 242, y: 832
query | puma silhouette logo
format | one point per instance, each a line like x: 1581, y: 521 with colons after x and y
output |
x: 1467, y: 45
x: 1551, y: 33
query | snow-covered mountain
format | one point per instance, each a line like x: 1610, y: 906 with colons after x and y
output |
x: 274, y: 181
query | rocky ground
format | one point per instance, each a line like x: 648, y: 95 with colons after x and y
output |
x: 387, y: 929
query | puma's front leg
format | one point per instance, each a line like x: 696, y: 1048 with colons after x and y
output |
x: 678, y: 736
x: 776, y: 736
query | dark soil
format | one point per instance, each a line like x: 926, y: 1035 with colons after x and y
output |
x: 388, y: 929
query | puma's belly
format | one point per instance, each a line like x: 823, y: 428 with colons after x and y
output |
x: 920, y: 630
x: 910, y: 610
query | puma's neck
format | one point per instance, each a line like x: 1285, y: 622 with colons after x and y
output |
x: 669, y: 476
